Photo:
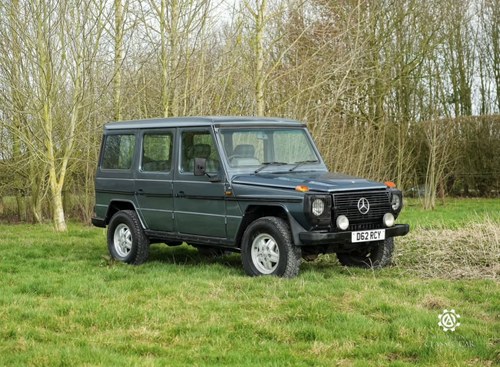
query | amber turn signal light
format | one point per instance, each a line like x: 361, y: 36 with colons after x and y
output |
x: 301, y: 188
x: 390, y: 184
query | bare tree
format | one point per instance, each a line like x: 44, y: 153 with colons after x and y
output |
x: 376, y: 82
x: 489, y: 11
x: 119, y: 26
x: 55, y: 51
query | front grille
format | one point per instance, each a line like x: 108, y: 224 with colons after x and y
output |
x: 364, y: 226
x: 347, y: 204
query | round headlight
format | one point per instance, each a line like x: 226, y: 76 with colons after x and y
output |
x: 388, y: 220
x: 342, y: 222
x: 318, y: 207
x: 395, y: 202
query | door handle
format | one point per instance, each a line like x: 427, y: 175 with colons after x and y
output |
x: 140, y: 192
x: 181, y: 194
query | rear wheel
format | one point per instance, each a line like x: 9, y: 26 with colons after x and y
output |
x: 267, y: 249
x: 376, y: 256
x: 126, y: 239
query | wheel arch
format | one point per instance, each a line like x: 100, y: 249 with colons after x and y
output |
x: 256, y: 211
x: 116, y: 205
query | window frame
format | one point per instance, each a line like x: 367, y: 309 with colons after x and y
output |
x: 103, y: 150
x: 165, y: 132
x: 200, y: 129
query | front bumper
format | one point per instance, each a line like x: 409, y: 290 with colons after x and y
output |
x: 329, y: 238
x: 98, y: 222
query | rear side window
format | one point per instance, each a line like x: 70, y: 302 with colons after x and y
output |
x: 118, y: 151
x: 157, y: 152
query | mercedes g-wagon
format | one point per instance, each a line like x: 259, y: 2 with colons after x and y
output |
x: 252, y: 185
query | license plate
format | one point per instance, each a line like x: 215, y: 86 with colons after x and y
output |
x: 367, y: 236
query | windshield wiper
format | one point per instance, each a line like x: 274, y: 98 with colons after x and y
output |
x: 300, y: 163
x: 267, y: 164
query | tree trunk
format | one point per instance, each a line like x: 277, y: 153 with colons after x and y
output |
x: 117, y: 75
x: 164, y: 60
x: 20, y: 207
x: 173, y: 60
x: 36, y: 201
x: 58, y: 211
x: 259, y: 59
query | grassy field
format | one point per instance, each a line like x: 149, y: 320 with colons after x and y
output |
x: 63, y: 302
x: 452, y: 214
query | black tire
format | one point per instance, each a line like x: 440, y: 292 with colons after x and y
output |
x: 127, y: 241
x: 267, y: 249
x: 377, y: 256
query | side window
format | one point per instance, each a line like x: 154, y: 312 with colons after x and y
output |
x: 157, y: 152
x: 198, y: 144
x: 118, y: 152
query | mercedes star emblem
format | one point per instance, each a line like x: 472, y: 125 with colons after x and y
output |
x: 363, y: 205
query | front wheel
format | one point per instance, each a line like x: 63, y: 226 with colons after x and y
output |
x: 376, y: 256
x: 126, y: 239
x: 267, y: 249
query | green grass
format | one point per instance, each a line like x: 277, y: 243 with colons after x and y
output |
x: 64, y: 302
x: 452, y: 213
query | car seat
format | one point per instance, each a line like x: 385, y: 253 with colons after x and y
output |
x: 243, y: 155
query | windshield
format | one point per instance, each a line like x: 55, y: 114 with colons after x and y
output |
x: 260, y: 147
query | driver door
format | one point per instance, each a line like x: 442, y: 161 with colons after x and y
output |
x: 199, y: 206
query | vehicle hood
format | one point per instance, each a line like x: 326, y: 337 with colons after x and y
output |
x: 316, y: 181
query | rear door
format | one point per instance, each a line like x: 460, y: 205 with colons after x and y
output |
x: 114, y: 180
x: 154, y: 179
x: 199, y: 203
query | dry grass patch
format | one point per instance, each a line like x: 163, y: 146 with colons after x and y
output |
x: 470, y: 252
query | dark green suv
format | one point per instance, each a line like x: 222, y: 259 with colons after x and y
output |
x: 252, y: 185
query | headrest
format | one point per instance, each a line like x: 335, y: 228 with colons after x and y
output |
x: 244, y: 150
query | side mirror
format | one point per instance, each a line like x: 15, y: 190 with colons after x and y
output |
x: 200, y: 166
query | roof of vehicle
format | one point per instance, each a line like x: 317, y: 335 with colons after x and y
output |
x: 236, y: 121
